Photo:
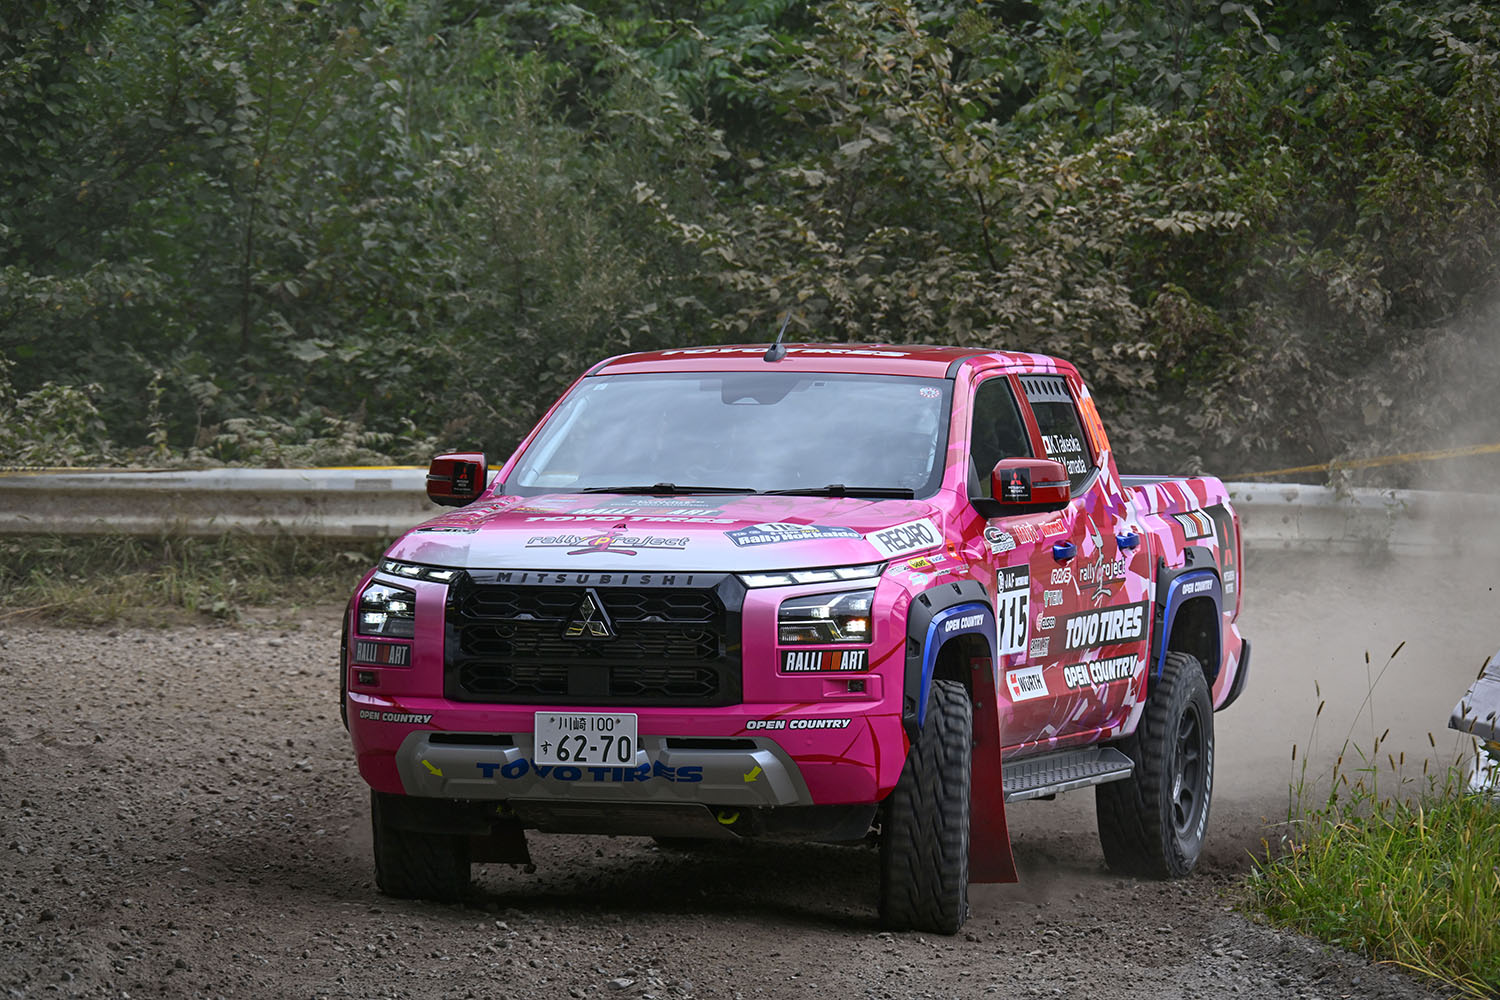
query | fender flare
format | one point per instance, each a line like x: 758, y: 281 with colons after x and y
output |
x: 933, y: 617
x: 1198, y: 577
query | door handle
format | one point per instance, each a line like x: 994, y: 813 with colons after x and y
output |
x: 1129, y: 540
x: 1063, y: 551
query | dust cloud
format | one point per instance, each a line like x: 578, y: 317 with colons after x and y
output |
x: 1311, y: 620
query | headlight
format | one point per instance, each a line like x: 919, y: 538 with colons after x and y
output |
x: 388, y: 611
x: 843, y: 617
x: 868, y: 571
x: 437, y: 574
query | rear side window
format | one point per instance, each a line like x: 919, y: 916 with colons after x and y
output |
x: 1057, y: 420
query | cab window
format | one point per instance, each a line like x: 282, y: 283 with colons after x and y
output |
x: 997, y: 431
x: 1057, y: 421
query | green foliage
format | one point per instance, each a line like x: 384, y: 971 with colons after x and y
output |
x: 54, y: 425
x: 1265, y: 232
x: 1409, y: 882
x: 1405, y: 877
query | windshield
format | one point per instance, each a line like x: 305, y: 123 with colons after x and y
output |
x: 752, y: 431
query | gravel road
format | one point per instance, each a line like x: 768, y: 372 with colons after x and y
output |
x: 180, y: 816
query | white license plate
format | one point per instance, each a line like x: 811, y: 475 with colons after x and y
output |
x: 586, y: 738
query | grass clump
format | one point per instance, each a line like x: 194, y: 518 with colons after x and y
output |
x: 1409, y: 877
x: 162, y: 580
x: 1412, y: 883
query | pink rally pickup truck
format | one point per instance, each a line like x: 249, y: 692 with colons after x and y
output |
x: 819, y: 592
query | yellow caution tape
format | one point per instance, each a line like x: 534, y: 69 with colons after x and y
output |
x: 1371, y: 463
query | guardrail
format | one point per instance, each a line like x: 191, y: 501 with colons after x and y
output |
x: 380, y: 503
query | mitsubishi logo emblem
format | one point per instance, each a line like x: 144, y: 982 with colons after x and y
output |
x: 590, y: 620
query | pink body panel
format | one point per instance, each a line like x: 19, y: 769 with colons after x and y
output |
x: 1093, y: 688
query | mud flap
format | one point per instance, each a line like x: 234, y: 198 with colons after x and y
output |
x: 990, y: 858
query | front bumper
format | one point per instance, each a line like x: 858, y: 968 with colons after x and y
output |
x: 821, y: 753
x: 741, y: 772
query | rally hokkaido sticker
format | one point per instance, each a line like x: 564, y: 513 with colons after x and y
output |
x: 913, y: 536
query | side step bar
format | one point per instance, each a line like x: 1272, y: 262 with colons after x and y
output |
x: 1034, y: 777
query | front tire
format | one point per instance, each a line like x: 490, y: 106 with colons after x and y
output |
x: 412, y: 865
x: 924, y: 838
x: 1153, y: 823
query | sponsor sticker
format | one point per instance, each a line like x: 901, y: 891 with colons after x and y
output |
x: 1012, y: 609
x: 811, y: 661
x: 1099, y: 672
x: 999, y: 541
x: 1040, y: 645
x: 913, y: 536
x: 655, y: 771
x: 1099, y: 574
x: 635, y: 518
x: 960, y: 622
x: 1105, y: 627
x: 609, y: 541
x: 814, y: 723
x: 1015, y: 485
x: 382, y: 654
x: 409, y: 718
x: 773, y: 532
x: 1026, y: 683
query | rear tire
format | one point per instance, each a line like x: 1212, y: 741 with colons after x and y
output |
x: 924, y: 837
x: 1153, y: 823
x: 411, y: 865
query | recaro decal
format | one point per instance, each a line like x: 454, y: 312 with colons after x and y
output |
x: 913, y: 536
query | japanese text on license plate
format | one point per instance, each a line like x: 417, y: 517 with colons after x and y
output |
x: 586, y: 738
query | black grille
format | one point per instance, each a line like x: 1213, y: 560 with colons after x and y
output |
x: 668, y: 646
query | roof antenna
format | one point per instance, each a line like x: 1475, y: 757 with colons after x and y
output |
x: 777, y: 351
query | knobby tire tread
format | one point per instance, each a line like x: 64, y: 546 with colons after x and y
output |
x: 411, y: 865
x: 925, y: 838
x: 1134, y: 829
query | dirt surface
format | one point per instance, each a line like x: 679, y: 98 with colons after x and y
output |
x: 180, y: 816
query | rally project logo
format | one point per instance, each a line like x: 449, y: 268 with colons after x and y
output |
x: 609, y: 541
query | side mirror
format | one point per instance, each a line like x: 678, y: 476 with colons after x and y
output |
x: 457, y: 479
x: 1025, y: 486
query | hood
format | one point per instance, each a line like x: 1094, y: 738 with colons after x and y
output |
x: 571, y: 531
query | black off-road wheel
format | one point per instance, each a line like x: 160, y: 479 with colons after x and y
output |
x: 1153, y: 823
x: 413, y: 865
x: 924, y: 834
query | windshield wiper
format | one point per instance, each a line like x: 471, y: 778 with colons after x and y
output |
x: 667, y: 489
x: 840, y: 490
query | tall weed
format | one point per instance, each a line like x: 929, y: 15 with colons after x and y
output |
x: 1401, y: 868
